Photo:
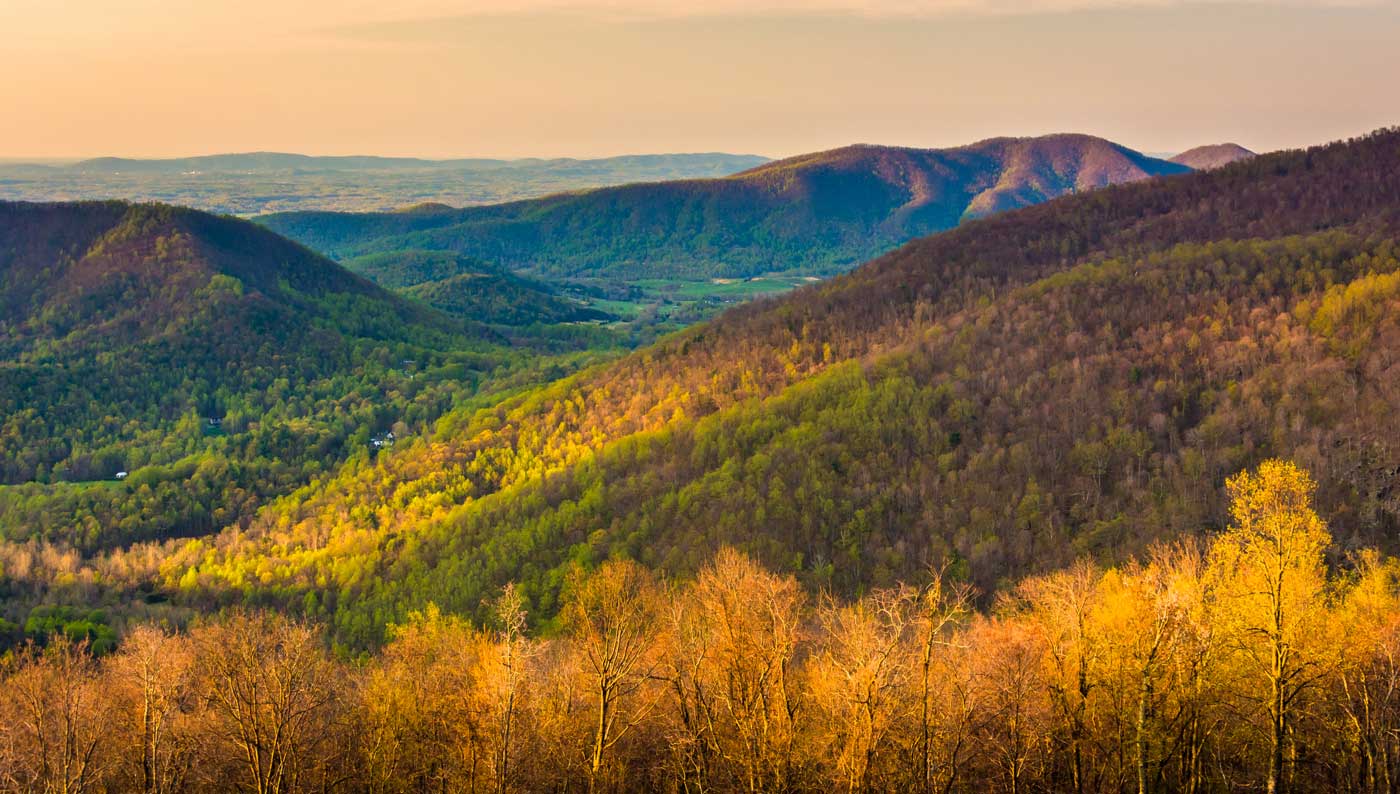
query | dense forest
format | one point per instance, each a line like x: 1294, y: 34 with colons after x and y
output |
x: 471, y: 289
x: 1069, y: 379
x: 1230, y: 662
x: 1034, y: 504
x: 164, y: 372
x: 818, y: 214
x: 848, y: 433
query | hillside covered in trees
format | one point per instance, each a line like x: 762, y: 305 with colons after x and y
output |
x: 820, y: 214
x: 1066, y: 380
x: 471, y: 289
x: 1097, y: 495
x: 163, y: 371
x: 1216, y: 155
x: 1234, y: 662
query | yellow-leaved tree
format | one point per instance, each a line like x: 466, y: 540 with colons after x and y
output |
x: 1272, y: 589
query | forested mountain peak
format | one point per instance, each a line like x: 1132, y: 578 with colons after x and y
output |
x: 211, y: 359
x: 1213, y: 156
x: 1095, y: 153
x: 820, y: 213
x: 111, y: 273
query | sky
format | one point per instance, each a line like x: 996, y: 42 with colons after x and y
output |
x: 455, y: 78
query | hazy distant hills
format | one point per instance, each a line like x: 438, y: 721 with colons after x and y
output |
x: 1071, y: 378
x: 647, y: 166
x: 266, y: 161
x: 1204, y: 158
x: 821, y: 213
x: 261, y: 182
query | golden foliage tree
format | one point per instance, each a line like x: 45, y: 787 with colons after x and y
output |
x: 1272, y: 581
x: 737, y: 630
x: 1240, y: 662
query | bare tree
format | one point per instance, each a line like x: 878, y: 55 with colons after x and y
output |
x: 1060, y: 604
x: 944, y: 605
x: 514, y: 651
x: 612, y: 618
x: 737, y: 630
x: 55, y: 721
x: 153, y: 674
x: 272, y: 693
x: 861, y: 676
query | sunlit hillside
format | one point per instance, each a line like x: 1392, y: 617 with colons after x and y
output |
x: 1062, y: 381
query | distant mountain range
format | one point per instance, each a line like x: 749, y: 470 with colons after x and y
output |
x: 261, y: 182
x: 655, y: 166
x: 1203, y: 158
x: 816, y: 214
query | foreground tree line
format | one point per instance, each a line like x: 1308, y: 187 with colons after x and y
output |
x: 1236, y: 662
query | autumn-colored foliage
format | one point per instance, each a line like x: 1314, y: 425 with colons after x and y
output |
x: 1240, y: 662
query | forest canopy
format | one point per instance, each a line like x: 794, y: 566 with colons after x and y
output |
x: 1237, y: 660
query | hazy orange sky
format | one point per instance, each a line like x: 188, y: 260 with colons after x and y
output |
x: 442, y: 78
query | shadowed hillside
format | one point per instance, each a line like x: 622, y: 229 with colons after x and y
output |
x: 113, y: 274
x: 471, y: 289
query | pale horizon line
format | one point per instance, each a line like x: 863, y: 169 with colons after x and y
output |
x: 1151, y: 151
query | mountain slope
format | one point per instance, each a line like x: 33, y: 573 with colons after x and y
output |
x: 109, y: 273
x: 819, y: 213
x: 491, y: 296
x: 471, y: 289
x: 1070, y: 378
x: 1203, y: 158
x: 213, y: 360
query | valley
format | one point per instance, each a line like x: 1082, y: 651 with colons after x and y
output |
x: 418, y: 461
x: 882, y: 397
x: 210, y: 366
x: 768, y: 428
